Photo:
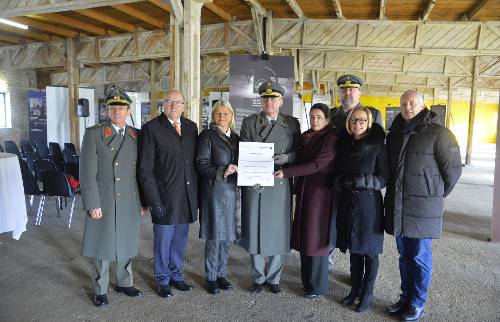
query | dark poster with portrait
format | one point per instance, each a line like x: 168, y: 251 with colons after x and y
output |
x: 37, y: 105
x: 248, y: 72
x: 101, y: 111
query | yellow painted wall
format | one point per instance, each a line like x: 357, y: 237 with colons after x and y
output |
x: 485, y: 125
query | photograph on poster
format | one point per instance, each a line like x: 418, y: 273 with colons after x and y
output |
x: 248, y: 72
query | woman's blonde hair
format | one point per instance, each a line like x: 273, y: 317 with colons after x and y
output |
x: 368, y: 118
x: 225, y: 103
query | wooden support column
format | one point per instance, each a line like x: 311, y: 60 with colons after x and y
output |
x: 495, y: 218
x: 174, y: 80
x: 191, y: 59
x: 450, y: 101
x: 73, y: 82
x: 153, y: 111
x: 472, y: 111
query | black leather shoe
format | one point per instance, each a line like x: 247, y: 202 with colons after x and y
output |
x: 100, y: 300
x: 224, y: 284
x: 275, y: 288
x: 412, y: 313
x: 129, y: 291
x: 349, y: 299
x: 181, y: 285
x: 256, y: 288
x: 212, y: 287
x: 396, y: 309
x: 164, y: 291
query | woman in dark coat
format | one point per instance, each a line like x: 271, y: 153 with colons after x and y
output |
x: 313, y: 207
x: 362, y: 172
x: 216, y: 160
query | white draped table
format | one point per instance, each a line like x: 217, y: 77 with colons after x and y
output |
x: 13, y: 216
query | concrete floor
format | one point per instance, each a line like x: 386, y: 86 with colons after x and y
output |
x: 44, y: 278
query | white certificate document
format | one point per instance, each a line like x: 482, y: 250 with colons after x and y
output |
x: 256, y: 164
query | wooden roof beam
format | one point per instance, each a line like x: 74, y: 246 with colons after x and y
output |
x: 161, y: 5
x: 428, y: 8
x: 296, y: 8
x: 29, y: 34
x: 96, y: 15
x: 12, y: 39
x: 223, y: 14
x: 73, y: 23
x: 258, y: 7
x: 46, y: 27
x: 480, y: 4
x: 24, y: 8
x: 178, y: 9
x: 381, y: 15
x: 138, y: 14
x: 338, y: 9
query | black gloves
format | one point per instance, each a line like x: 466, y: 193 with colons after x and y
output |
x: 157, y: 210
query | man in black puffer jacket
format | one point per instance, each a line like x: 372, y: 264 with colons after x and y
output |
x: 425, y: 165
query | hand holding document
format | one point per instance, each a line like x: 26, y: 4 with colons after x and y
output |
x: 256, y: 164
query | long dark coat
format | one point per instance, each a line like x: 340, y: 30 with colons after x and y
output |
x: 217, y: 195
x: 166, y: 169
x: 107, y: 181
x: 314, y: 188
x: 266, y: 216
x: 360, y: 225
x: 425, y: 165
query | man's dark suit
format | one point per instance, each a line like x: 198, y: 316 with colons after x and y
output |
x: 168, y: 179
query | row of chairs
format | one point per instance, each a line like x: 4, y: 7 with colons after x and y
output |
x: 48, y: 167
x: 55, y: 184
x: 41, y: 151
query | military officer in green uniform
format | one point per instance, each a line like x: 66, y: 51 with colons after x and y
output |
x: 266, y: 211
x: 350, y: 93
x: 110, y: 197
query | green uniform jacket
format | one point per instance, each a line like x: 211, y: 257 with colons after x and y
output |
x: 266, y: 216
x: 107, y: 181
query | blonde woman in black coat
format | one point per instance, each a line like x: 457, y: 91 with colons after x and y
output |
x: 363, y: 170
x: 216, y: 160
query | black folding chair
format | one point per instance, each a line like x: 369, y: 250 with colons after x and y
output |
x: 41, y: 165
x: 26, y: 147
x: 70, y: 146
x: 56, y: 185
x: 30, y: 158
x: 72, y: 169
x: 11, y: 147
x: 55, y: 148
x: 29, y: 182
x: 42, y: 149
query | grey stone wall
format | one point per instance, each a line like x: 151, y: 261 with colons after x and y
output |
x: 19, y: 83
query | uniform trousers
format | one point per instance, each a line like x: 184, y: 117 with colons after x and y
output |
x: 124, y: 276
x: 216, y: 254
x: 273, y: 273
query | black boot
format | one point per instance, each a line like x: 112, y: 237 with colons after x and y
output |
x: 356, y: 279
x: 371, y: 269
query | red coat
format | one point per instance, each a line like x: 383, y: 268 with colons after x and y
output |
x: 314, y: 188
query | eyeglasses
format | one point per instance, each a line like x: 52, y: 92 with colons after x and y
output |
x: 361, y: 121
x: 176, y: 103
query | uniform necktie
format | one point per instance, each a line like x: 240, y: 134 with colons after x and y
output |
x: 177, y: 126
x: 120, y: 131
x: 273, y: 123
